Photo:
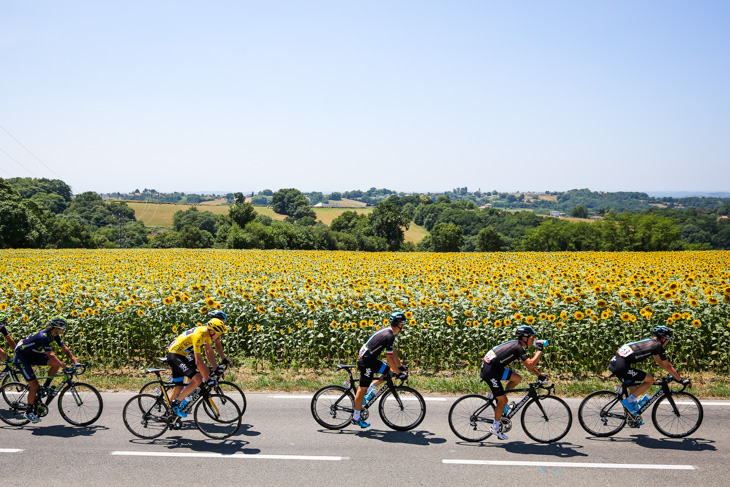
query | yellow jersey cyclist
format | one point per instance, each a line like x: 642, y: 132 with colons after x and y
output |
x: 185, y: 356
x: 494, y: 370
x: 36, y: 350
x: 622, y: 365
x: 4, y: 332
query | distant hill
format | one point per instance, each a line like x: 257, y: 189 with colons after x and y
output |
x: 688, y: 194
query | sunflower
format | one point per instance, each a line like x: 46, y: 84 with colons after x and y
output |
x: 468, y: 313
x: 696, y: 323
x: 713, y: 301
x: 530, y: 320
x: 579, y: 315
x: 497, y: 324
x: 625, y: 316
x: 409, y: 314
x: 449, y: 320
x: 119, y: 308
x: 333, y: 324
x: 279, y: 310
x: 261, y: 309
x: 560, y: 324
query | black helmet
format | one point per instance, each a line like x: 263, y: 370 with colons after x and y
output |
x: 524, y: 331
x: 216, y: 313
x: 58, y: 322
x: 662, y: 331
x: 397, y: 318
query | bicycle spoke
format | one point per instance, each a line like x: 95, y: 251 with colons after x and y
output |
x: 471, y: 417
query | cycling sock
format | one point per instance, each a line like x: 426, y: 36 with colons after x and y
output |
x: 631, y: 398
x: 356, y: 415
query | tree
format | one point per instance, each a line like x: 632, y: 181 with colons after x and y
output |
x: 241, y: 213
x: 335, y: 196
x: 291, y: 202
x: 447, y: 237
x: 204, y: 220
x: 20, y: 221
x: 239, y: 197
x: 388, y: 222
x: 579, y: 211
x: 489, y: 240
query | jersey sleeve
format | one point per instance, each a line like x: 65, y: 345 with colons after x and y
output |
x: 58, y: 340
x: 4, y: 331
x: 199, y: 339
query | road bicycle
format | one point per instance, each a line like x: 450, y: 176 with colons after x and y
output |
x: 222, y: 387
x: 80, y: 404
x: 148, y: 416
x: 401, y: 407
x: 10, y: 373
x: 676, y: 414
x: 545, y: 417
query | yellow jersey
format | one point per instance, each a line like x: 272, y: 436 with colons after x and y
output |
x: 191, y: 341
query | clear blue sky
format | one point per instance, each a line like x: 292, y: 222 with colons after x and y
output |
x: 339, y: 95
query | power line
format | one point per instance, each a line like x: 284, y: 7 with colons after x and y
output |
x: 29, y: 152
x: 18, y: 162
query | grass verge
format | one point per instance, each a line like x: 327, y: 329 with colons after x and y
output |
x: 257, y: 378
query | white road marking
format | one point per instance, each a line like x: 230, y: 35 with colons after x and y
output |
x: 648, y: 466
x: 310, y: 397
x: 237, y: 456
x: 11, y: 450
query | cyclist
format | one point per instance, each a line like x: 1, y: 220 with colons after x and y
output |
x: 36, y: 350
x: 4, y: 332
x: 622, y: 364
x: 494, y: 370
x: 369, y: 363
x: 185, y: 356
x: 218, y: 345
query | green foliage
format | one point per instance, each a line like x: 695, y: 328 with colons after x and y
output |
x: 291, y: 202
x: 447, y: 237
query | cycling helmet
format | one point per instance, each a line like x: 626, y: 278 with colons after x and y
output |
x: 218, y: 314
x: 397, y: 318
x: 58, y: 322
x: 524, y: 331
x: 3, y: 319
x: 217, y: 326
x: 662, y: 331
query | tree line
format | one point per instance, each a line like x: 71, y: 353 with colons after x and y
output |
x: 43, y: 213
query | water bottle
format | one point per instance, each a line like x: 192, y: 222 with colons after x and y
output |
x: 644, y: 400
x: 508, y: 408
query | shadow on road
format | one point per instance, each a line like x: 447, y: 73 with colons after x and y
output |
x: 66, y: 431
x: 561, y: 449
x: 224, y: 447
x: 423, y: 438
x: 680, y: 444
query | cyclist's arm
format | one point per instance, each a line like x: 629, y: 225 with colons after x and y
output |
x: 394, y: 362
x: 219, y: 349
x: 531, y: 362
x: 211, y: 355
x: 200, y: 365
x: 11, y: 342
x: 666, y: 365
x: 68, y: 353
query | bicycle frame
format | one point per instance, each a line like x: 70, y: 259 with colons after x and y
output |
x: 350, y: 385
x: 664, y: 390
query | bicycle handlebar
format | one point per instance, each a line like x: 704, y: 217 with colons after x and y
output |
x: 75, y: 369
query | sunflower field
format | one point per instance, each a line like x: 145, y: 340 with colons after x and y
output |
x: 309, y: 308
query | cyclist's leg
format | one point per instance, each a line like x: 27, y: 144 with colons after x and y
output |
x: 646, y: 383
x: 55, y: 365
x: 182, y: 367
x: 494, y: 376
x: 25, y: 362
x: 513, y: 379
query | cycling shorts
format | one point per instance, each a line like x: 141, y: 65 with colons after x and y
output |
x: 624, y: 371
x: 181, y: 366
x: 493, y: 375
x: 368, y: 368
x: 25, y: 360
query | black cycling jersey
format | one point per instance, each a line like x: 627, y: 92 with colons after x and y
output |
x: 505, y: 353
x: 638, y: 351
x: 379, y: 341
x: 40, y: 342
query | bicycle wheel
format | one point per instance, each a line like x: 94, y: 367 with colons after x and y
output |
x: 601, y: 413
x: 219, y: 418
x: 14, y: 403
x: 471, y: 417
x: 679, y: 422
x: 402, y: 408
x: 12, y: 376
x: 332, y: 407
x: 234, y: 392
x: 80, y: 404
x: 149, y: 422
x: 546, y: 419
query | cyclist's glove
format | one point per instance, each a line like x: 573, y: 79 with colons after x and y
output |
x: 228, y: 362
x: 219, y: 371
x: 402, y: 376
x: 211, y: 382
x: 403, y: 368
x: 539, y: 345
x: 542, y: 377
x: 686, y: 382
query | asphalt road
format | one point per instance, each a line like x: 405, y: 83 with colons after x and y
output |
x: 280, y: 444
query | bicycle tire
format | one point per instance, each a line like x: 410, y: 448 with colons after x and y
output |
x: 14, y: 403
x: 332, y: 407
x: 682, y: 423
x: 402, y: 408
x: 546, y: 419
x: 14, y: 376
x: 471, y: 417
x: 221, y: 418
x: 230, y: 389
x: 601, y: 413
x: 146, y: 416
x: 80, y: 404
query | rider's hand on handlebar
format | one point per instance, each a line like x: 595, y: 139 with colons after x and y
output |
x: 542, y: 377
x: 219, y: 371
x: 227, y: 362
x: 402, y: 376
x: 686, y: 382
